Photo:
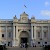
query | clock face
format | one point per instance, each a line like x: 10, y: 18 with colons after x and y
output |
x: 24, y: 19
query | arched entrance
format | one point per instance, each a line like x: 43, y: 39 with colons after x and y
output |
x: 24, y: 37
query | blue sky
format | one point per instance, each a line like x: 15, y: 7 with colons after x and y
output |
x: 38, y: 8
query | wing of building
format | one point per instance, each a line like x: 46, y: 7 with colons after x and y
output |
x: 15, y: 31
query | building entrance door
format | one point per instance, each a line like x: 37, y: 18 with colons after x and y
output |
x: 24, y: 40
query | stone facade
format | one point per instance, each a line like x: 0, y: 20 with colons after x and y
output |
x: 15, y: 31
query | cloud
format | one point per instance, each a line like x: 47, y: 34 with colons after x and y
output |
x: 47, y: 3
x: 45, y: 12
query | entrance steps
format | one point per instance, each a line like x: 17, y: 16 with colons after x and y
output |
x: 29, y: 48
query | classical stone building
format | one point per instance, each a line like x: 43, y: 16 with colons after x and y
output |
x: 15, y: 31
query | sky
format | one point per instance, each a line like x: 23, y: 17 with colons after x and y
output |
x: 40, y: 9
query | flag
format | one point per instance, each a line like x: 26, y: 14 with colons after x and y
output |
x: 25, y: 6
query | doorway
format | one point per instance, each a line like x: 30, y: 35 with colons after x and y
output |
x: 24, y: 37
x: 24, y: 40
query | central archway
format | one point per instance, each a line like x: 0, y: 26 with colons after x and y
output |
x: 24, y: 37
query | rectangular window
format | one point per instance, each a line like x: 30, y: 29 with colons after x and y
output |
x: 45, y: 34
x: 3, y: 28
x: 38, y: 34
x: 9, y: 34
x: 2, y: 35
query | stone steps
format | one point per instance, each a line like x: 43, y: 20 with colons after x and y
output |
x: 29, y: 48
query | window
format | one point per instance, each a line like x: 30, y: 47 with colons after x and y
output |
x: 45, y: 42
x: 33, y: 31
x: 29, y: 30
x: 2, y: 35
x: 45, y: 34
x: 38, y: 27
x: 45, y: 28
x: 38, y: 42
x: 3, y: 28
x: 9, y: 27
x: 9, y: 34
x: 38, y: 34
x: 18, y: 30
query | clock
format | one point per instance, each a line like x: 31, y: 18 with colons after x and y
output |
x: 24, y: 18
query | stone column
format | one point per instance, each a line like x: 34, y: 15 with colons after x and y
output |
x: 31, y: 32
x: 42, y: 33
x: 6, y: 37
x: 34, y: 35
x: 48, y: 32
x: 42, y: 36
x: 31, y: 35
x: 35, y: 32
x: 0, y: 34
x: 13, y: 35
x: 48, y: 35
x: 17, y: 38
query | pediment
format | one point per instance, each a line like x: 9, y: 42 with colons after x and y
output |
x: 24, y: 17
